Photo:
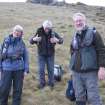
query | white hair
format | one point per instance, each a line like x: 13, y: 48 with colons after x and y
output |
x: 18, y: 28
x: 47, y: 24
x: 79, y: 14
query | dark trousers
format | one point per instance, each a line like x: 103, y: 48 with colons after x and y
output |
x: 49, y: 62
x: 8, y: 79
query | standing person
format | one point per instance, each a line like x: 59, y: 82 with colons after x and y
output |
x: 46, y: 39
x: 14, y: 65
x: 87, y: 62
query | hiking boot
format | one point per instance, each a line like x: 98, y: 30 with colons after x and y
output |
x: 40, y: 86
x: 51, y: 85
x: 80, y: 103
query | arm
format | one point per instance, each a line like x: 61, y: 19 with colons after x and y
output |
x: 100, y: 49
x: 32, y: 41
x: 59, y: 38
x: 35, y: 39
x: 3, y: 51
x: 0, y: 58
x: 26, y: 60
x: 71, y: 50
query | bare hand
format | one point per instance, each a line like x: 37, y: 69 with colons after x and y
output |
x: 54, y: 40
x: 101, y: 73
x: 25, y: 73
x: 36, y: 38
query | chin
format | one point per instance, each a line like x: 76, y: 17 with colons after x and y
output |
x: 79, y: 28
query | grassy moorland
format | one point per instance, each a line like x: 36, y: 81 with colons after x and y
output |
x: 31, y: 16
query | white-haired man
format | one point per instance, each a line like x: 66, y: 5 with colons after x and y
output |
x: 13, y: 66
x: 87, y: 61
x: 46, y: 38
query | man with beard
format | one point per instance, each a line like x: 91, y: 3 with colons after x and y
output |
x: 87, y: 61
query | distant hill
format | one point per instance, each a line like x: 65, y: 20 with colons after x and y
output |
x: 48, y: 2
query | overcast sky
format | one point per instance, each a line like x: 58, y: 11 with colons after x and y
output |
x: 89, y: 2
x: 12, y: 0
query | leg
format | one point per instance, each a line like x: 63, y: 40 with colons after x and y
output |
x: 80, y: 92
x: 17, y: 86
x: 6, y: 81
x: 93, y: 89
x: 41, y: 65
x: 50, y: 68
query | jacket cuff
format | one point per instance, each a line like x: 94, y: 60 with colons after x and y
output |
x: 102, y: 65
x: 60, y: 41
x: 26, y: 70
x: 32, y: 42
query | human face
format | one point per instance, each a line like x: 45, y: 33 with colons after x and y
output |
x: 17, y: 34
x: 79, y: 23
x: 47, y: 30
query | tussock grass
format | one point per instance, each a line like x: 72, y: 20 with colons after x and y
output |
x: 31, y: 16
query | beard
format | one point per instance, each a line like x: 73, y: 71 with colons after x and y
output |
x: 80, y: 28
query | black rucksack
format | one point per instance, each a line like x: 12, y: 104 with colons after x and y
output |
x: 58, y: 72
x: 70, y: 93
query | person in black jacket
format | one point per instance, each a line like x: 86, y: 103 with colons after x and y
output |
x: 46, y: 39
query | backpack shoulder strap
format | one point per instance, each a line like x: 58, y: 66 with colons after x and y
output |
x: 4, y: 47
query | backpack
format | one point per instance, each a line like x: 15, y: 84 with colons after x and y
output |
x: 4, y: 49
x: 58, y: 72
x: 70, y: 93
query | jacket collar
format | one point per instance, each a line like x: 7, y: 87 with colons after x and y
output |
x: 84, y: 29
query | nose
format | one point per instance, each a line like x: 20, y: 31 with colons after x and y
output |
x: 78, y: 21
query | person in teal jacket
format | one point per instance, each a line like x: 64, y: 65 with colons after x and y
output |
x: 87, y: 61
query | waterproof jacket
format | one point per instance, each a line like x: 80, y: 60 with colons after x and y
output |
x: 45, y: 47
x: 87, y: 51
x: 14, y: 55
